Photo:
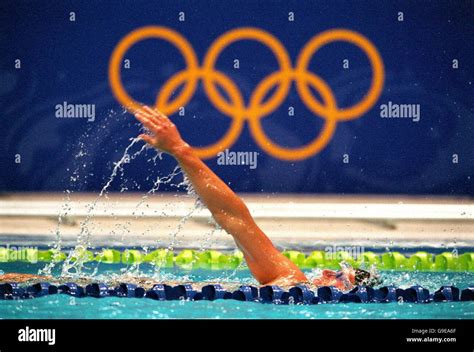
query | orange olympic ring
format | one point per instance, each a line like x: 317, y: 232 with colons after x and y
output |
x: 257, y: 108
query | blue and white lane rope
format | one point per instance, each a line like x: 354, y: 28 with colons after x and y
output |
x: 299, y: 294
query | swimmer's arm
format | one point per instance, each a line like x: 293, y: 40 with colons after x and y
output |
x: 230, y: 212
x: 264, y: 260
x: 222, y: 202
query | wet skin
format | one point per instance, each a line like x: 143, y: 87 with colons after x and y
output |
x: 268, y: 265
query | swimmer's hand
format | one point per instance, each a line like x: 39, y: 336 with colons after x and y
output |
x: 163, y: 133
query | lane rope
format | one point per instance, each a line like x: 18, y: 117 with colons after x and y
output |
x: 299, y: 294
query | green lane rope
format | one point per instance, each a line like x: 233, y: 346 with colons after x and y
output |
x: 211, y: 259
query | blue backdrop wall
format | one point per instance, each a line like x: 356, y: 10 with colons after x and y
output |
x: 58, y: 52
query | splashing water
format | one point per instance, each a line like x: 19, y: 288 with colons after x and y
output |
x: 75, y: 266
x: 134, y: 269
x: 74, y: 263
x: 58, y: 242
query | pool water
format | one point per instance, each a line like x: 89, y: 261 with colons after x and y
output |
x: 64, y: 307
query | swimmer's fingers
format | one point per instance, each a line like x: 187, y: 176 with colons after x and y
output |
x: 147, y: 122
x: 144, y: 112
x: 164, y: 134
x: 153, y: 115
x: 153, y: 112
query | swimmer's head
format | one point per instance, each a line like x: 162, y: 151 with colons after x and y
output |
x: 347, y: 278
x: 361, y: 276
x: 366, y: 278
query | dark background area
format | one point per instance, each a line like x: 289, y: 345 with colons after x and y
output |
x: 68, y: 61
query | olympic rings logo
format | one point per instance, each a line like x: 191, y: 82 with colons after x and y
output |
x: 257, y: 108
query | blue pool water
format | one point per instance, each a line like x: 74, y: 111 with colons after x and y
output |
x: 63, y: 306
